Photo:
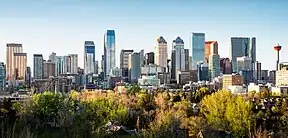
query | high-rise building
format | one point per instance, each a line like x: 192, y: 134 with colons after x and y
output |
x: 225, y: 66
x: 11, y: 48
x: 102, y: 63
x: 49, y: 69
x: 89, y: 57
x: 186, y: 51
x: 198, y: 48
x: 134, y: 66
x: 177, y: 57
x: 28, y: 76
x: 109, y: 52
x: 208, y: 46
x: 161, y: 54
x: 202, y: 71
x: 265, y: 75
x: 63, y: 64
x: 72, y: 63
x: 38, y: 66
x: 213, y: 59
x: 96, y: 67
x: 242, y: 46
x: 243, y: 63
x: 2, y: 76
x: 124, y: 58
x: 272, y: 76
x: 149, y: 58
x: 257, y: 70
x: 190, y: 62
x: 53, y: 57
x: 20, y: 64
x: 142, y: 57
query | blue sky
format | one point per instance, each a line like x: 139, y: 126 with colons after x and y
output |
x: 62, y: 26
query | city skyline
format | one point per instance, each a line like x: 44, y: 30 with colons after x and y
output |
x: 63, y: 27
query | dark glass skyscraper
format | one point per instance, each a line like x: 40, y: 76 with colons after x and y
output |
x: 109, y: 52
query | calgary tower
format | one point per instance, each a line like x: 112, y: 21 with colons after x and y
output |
x: 277, y: 48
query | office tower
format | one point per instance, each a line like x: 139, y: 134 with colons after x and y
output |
x: 49, y: 69
x: 257, y: 70
x: 10, y: 50
x: 109, y: 52
x: 28, y: 77
x: 142, y: 57
x: 190, y: 62
x: 177, y: 57
x: 134, y: 66
x: 242, y: 46
x: 202, y: 71
x: 243, y: 63
x: 161, y: 54
x: 124, y: 58
x: 214, y: 66
x: 20, y: 64
x: 264, y: 75
x: 208, y: 46
x: 38, y: 66
x: 53, y: 57
x: 96, y: 67
x: 115, y: 72
x: 2, y: 76
x: 186, y: 51
x: 272, y: 76
x: 89, y: 57
x: 225, y: 66
x: 198, y: 48
x: 149, y: 57
x: 72, y: 63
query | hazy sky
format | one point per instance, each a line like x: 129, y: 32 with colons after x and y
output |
x: 46, y: 26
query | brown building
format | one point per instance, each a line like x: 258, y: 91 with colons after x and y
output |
x: 49, y: 69
x: 225, y: 66
x: 185, y: 76
x: 208, y: 46
x: 232, y: 80
x: 20, y: 64
x: 11, y: 48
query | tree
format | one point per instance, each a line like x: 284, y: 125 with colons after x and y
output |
x: 283, y: 106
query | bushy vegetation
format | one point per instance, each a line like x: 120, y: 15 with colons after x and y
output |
x: 158, y: 114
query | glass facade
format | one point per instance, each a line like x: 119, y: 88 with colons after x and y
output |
x: 89, y: 63
x: 2, y: 75
x: 109, y: 52
x: 198, y: 48
x: 178, y: 57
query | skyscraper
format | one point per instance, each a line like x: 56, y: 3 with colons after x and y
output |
x: 89, y: 57
x: 49, y: 69
x: 208, y: 46
x: 11, y: 48
x: 161, y: 54
x: 198, y: 48
x: 257, y: 71
x: 124, y: 58
x: 54, y: 58
x: 28, y: 76
x: 72, y: 63
x: 214, y: 61
x: 2, y: 76
x: 38, y: 66
x: 20, y: 64
x: 178, y: 57
x: 109, y: 52
x: 149, y: 57
x: 186, y: 51
x: 96, y: 67
x: 134, y: 66
x: 142, y: 57
x: 243, y: 63
x: 225, y: 66
x: 242, y: 46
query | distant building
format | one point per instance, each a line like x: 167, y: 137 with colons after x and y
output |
x: 244, y: 63
x: 142, y: 57
x: 38, y: 66
x: 151, y: 70
x: 257, y: 88
x: 247, y: 76
x: 96, y: 69
x: 257, y: 70
x: 20, y: 64
x: 187, y: 62
x: 72, y: 63
x: 134, y: 66
x: 184, y: 77
x: 49, y: 69
x: 214, y: 60
x: 11, y: 48
x: 282, y: 77
x: 264, y: 75
x: 89, y: 57
x: 202, y: 72
x: 225, y: 66
x: 146, y: 81
x: 28, y: 77
x: 109, y: 52
x: 272, y: 76
x: 149, y: 58
x: 242, y: 46
x: 208, y: 46
x: 2, y: 76
x: 53, y: 57
x: 124, y: 58
x: 198, y: 48
x: 115, y: 72
x: 161, y: 54
x: 177, y: 57
x: 232, y: 80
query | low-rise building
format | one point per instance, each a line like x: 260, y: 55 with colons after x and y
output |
x: 147, y: 81
x: 257, y: 88
x: 232, y: 80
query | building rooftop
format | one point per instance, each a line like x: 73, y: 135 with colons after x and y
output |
x: 178, y: 40
x: 37, y: 55
x: 20, y: 54
x: 110, y: 32
x: 89, y: 43
x: 14, y: 45
x: 161, y: 40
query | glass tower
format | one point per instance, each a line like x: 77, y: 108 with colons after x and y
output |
x: 109, y: 52
x: 89, y: 57
x: 198, y: 48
